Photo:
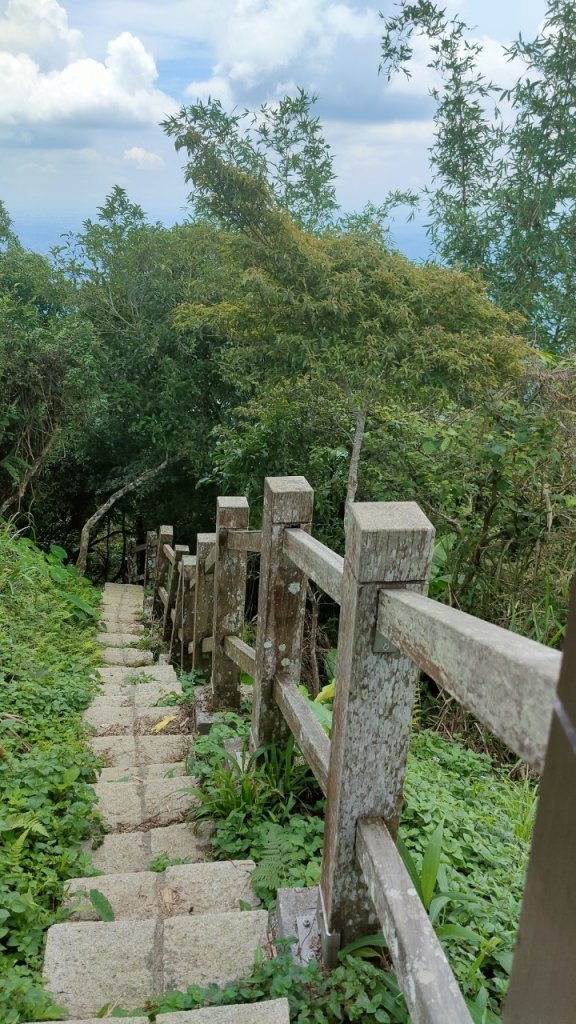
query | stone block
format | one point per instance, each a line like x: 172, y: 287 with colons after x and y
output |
x: 88, y: 964
x: 211, y: 948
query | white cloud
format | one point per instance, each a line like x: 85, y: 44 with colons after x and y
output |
x: 143, y: 158
x: 217, y: 87
x: 40, y: 29
x: 87, y: 92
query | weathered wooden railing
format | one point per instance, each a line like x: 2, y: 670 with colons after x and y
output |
x: 389, y: 631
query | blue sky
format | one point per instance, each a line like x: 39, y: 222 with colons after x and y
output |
x: 84, y: 84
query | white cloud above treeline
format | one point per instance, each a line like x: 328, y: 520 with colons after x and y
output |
x: 96, y: 77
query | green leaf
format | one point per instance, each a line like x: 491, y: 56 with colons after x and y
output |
x: 430, y: 864
x: 101, y: 905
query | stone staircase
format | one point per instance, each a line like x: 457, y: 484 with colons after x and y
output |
x: 173, y: 928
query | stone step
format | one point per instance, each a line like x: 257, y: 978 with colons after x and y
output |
x: 133, y: 851
x: 273, y: 1011
x: 89, y: 963
x: 119, y: 676
x: 127, y: 656
x: 113, y: 720
x: 126, y: 639
x: 129, y: 806
x: 142, y: 774
x: 217, y: 887
x: 136, y: 751
x: 123, y: 588
x: 143, y: 694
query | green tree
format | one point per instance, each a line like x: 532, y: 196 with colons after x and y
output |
x: 47, y: 366
x: 280, y: 144
x: 503, y: 198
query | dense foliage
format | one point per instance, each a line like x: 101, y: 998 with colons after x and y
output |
x: 48, y: 654
x: 465, y: 830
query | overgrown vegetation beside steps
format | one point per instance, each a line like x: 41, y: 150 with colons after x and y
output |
x: 465, y: 830
x: 47, y: 658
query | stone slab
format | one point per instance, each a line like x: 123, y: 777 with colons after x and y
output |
x: 94, y: 1020
x: 167, y: 801
x: 160, y: 749
x: 146, y: 719
x: 133, y: 851
x: 211, y: 948
x: 120, y: 804
x: 127, y: 656
x: 185, y: 889
x: 88, y: 964
x: 142, y: 773
x: 119, y: 675
x: 126, y: 639
x: 151, y: 694
x: 115, y: 751
x: 109, y: 720
x: 126, y: 806
x: 273, y: 1011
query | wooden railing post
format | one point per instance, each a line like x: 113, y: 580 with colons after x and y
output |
x: 183, y: 624
x: 165, y: 536
x: 204, y: 612
x: 179, y: 550
x: 150, y: 558
x: 387, y: 544
x: 131, y: 565
x: 288, y: 502
x: 229, y: 599
x: 543, y: 980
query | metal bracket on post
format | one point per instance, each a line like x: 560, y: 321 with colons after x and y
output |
x: 331, y: 941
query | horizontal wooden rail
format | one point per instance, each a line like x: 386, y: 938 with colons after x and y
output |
x: 170, y: 553
x: 208, y: 645
x: 245, y: 540
x: 240, y: 653
x: 140, y: 547
x: 306, y: 729
x: 505, y: 680
x: 163, y: 595
x: 424, y: 975
x: 210, y: 561
x: 321, y: 564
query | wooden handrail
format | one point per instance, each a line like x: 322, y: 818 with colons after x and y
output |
x: 170, y: 553
x: 245, y: 540
x: 240, y: 653
x: 321, y: 564
x: 424, y: 975
x: 306, y: 729
x: 506, y: 680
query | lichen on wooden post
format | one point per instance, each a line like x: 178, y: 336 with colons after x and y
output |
x: 204, y: 612
x: 179, y: 551
x: 387, y: 544
x: 232, y: 513
x: 165, y: 536
x: 288, y: 503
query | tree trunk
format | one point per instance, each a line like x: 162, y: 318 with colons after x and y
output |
x: 91, y: 522
x: 16, y: 497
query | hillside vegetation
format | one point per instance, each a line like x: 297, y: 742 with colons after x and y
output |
x: 46, y: 681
